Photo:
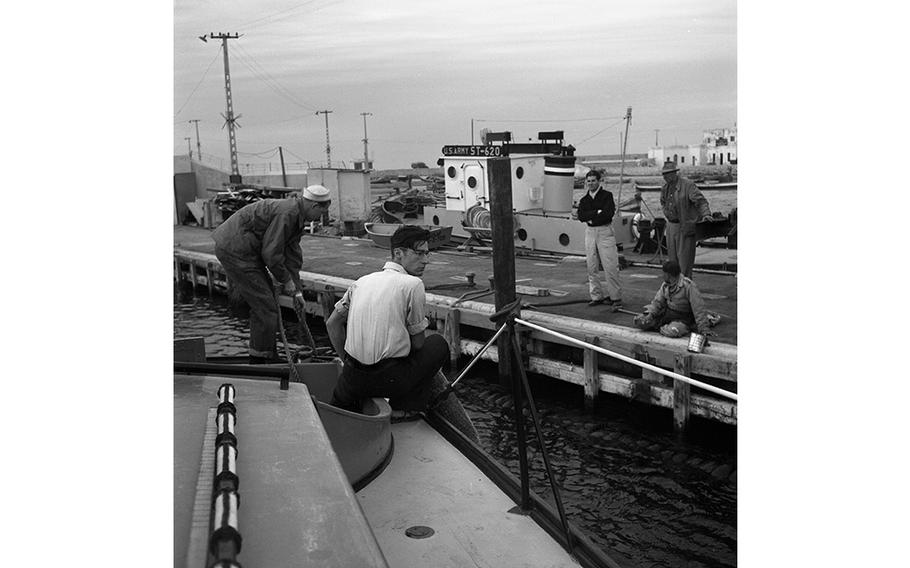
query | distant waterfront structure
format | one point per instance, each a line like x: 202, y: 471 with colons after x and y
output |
x: 717, y: 148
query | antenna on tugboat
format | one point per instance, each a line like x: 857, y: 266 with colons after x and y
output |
x: 622, y: 163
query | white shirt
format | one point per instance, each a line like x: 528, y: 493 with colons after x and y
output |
x: 384, y: 309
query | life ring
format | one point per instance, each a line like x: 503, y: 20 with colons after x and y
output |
x: 635, y: 232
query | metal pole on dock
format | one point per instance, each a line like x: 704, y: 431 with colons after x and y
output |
x: 499, y: 178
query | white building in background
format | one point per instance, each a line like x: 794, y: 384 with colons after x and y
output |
x: 718, y: 148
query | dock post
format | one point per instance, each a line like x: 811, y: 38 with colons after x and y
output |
x: 176, y: 269
x: 327, y: 301
x: 209, y: 280
x: 193, y: 274
x: 452, y: 334
x: 681, y: 393
x: 499, y: 181
x: 592, y: 374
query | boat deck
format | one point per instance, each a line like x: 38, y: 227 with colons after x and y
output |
x: 429, y: 483
x: 564, y: 277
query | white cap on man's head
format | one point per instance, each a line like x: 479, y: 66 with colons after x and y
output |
x: 316, y: 193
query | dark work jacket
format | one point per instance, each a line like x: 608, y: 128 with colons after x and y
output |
x: 687, y: 202
x: 267, y: 232
x: 588, y: 207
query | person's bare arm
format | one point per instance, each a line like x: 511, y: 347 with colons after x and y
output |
x: 335, y: 326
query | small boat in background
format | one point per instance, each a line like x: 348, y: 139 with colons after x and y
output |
x: 381, y: 234
x: 703, y: 185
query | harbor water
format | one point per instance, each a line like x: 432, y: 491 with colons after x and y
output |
x: 627, y: 480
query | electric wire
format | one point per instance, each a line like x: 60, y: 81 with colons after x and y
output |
x: 199, y: 83
x: 263, y: 75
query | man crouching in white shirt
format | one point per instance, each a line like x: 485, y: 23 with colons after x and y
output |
x: 378, y: 329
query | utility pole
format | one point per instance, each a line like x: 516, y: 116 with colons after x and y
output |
x: 366, y: 159
x: 189, y: 149
x: 229, y: 117
x: 656, y: 138
x: 472, y: 132
x: 328, y: 147
x: 284, y: 175
x: 198, y: 147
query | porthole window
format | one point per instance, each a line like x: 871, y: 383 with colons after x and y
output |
x: 435, y: 219
x: 451, y: 171
x: 519, y: 173
x: 472, y: 182
x: 564, y: 239
x: 522, y: 234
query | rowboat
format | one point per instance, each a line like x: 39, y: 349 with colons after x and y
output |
x: 381, y: 234
x: 322, y: 486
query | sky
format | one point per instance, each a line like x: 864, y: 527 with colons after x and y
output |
x: 425, y: 70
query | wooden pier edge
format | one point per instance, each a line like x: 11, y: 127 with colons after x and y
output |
x: 720, y: 363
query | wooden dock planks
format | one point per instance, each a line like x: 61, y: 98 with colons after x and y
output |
x: 718, y: 362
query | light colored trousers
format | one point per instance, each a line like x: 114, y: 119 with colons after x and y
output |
x: 599, y: 241
x: 681, y: 247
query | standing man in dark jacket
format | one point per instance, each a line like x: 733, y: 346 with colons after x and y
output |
x: 683, y: 205
x: 260, y: 239
x: 596, y: 209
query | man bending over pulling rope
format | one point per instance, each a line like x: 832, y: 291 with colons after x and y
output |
x: 378, y: 329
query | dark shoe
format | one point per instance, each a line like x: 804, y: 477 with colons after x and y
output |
x: 597, y: 302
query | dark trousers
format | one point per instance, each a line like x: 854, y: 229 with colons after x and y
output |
x: 681, y: 246
x: 250, y: 280
x: 406, y: 381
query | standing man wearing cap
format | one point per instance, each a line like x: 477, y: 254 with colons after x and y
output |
x: 596, y: 209
x: 259, y: 248
x: 683, y: 205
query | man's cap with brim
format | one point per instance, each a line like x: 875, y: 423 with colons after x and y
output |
x: 669, y: 167
x: 316, y: 193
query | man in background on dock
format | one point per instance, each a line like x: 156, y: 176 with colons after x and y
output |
x: 683, y: 205
x: 596, y: 209
x: 677, y: 308
x: 378, y: 329
x: 260, y: 239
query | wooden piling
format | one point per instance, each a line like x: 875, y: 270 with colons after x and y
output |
x: 452, y: 334
x: 592, y: 373
x: 499, y: 181
x: 193, y: 274
x: 209, y: 277
x: 327, y: 301
x: 681, y: 393
x: 176, y: 269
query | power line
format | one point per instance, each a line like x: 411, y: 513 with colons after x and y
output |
x: 553, y: 119
x: 268, y: 19
x: 260, y: 72
x: 197, y: 84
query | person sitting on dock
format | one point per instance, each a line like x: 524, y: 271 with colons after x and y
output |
x: 261, y: 238
x: 596, y: 209
x: 683, y: 205
x: 677, y: 308
x: 378, y: 329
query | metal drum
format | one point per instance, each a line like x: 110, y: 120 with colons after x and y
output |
x: 558, y: 183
